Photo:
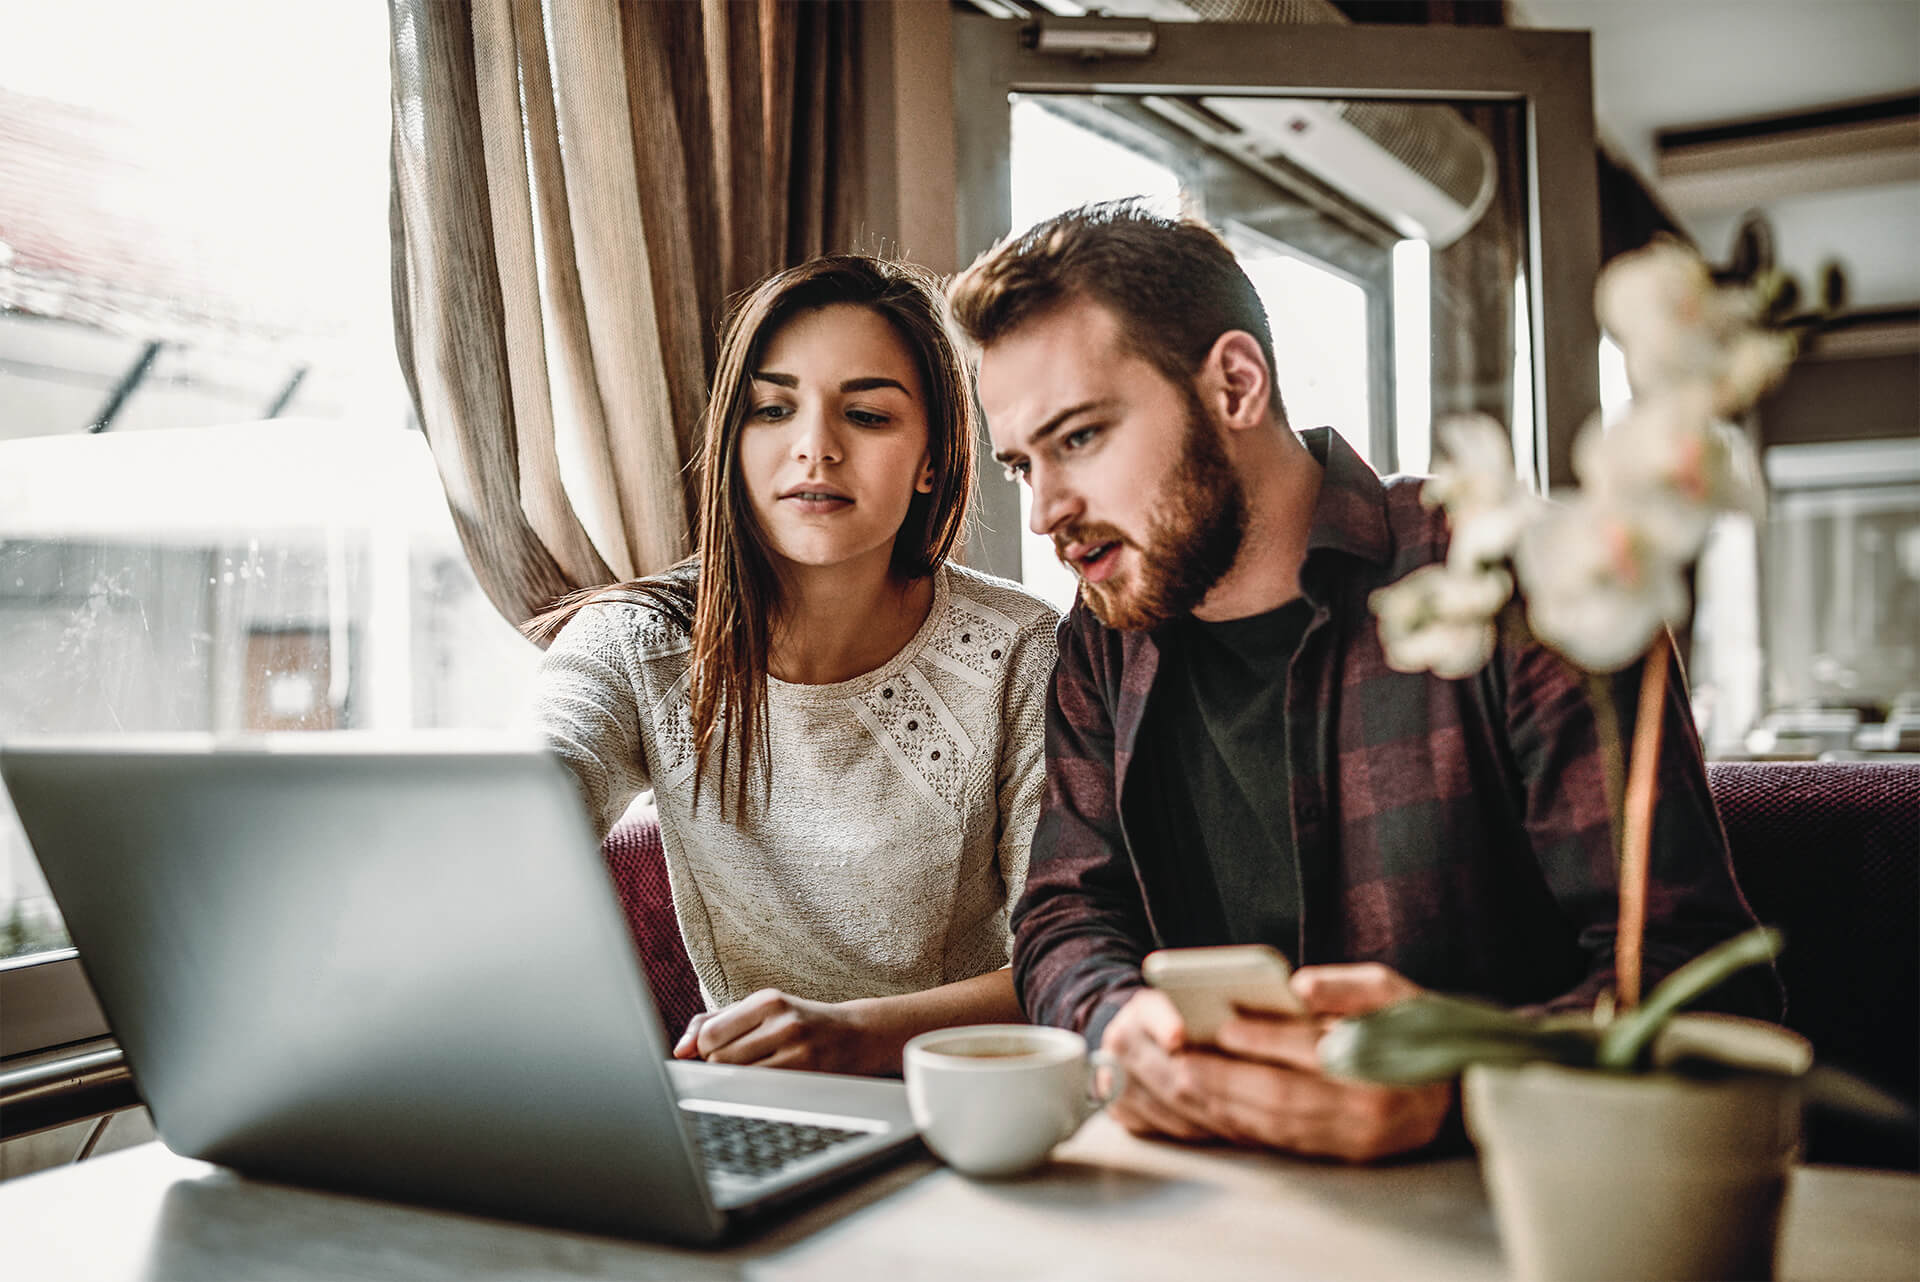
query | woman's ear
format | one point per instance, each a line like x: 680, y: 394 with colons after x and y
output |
x: 925, y: 484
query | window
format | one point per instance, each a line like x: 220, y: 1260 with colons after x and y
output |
x: 1319, y: 320
x: 215, y: 512
x: 1842, y: 585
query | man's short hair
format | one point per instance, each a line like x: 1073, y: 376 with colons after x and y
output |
x: 1172, y: 283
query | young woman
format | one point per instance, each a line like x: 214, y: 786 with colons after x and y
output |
x: 841, y: 727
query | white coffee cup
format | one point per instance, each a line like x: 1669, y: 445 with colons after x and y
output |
x: 993, y: 1099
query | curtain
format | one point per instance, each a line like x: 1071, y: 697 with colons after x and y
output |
x: 579, y: 187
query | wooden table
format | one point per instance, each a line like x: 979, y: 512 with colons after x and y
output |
x: 1108, y: 1207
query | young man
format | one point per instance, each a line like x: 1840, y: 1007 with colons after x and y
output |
x: 1230, y: 759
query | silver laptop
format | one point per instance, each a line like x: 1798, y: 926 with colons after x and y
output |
x: 401, y: 971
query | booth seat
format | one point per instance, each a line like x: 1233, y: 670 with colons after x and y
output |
x: 638, y: 864
x: 1829, y: 852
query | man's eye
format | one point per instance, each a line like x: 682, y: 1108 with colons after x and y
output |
x: 1018, y: 471
x: 1077, y: 439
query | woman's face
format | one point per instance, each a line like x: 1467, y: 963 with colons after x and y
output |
x: 835, y: 443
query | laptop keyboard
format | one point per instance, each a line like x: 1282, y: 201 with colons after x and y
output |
x: 755, y: 1146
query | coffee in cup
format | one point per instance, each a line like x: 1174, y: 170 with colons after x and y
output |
x: 993, y: 1099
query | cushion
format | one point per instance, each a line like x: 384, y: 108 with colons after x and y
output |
x: 638, y: 865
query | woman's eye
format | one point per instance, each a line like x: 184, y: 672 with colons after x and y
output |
x: 771, y: 413
x: 867, y: 418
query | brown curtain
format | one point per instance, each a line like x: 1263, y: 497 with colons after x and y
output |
x: 579, y: 186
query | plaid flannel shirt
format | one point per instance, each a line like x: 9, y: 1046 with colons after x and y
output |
x: 1457, y: 831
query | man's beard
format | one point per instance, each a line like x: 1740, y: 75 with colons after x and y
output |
x: 1193, y: 537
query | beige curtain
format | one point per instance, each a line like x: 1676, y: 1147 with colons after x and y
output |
x: 579, y: 186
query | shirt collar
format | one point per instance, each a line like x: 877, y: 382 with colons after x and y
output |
x: 1350, y: 515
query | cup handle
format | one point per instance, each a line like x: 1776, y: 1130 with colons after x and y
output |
x: 1116, y: 1082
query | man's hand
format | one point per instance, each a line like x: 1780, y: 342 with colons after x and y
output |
x: 771, y: 1029
x: 1263, y: 1084
x: 1319, y: 1115
x: 1149, y: 1039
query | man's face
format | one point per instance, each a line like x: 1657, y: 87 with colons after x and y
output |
x: 1128, y: 473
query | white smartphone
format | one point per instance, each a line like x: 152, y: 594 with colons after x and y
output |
x: 1208, y: 985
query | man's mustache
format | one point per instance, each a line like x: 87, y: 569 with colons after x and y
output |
x: 1087, y: 536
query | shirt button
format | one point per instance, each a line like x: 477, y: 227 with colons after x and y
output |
x: 1310, y: 812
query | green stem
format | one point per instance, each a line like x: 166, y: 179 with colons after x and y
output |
x: 1629, y: 1035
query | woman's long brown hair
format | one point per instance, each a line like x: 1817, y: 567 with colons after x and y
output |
x: 728, y: 594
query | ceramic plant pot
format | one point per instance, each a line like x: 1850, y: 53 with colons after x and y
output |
x: 1656, y: 1176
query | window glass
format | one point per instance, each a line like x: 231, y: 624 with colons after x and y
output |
x: 1319, y: 323
x: 1842, y: 592
x: 215, y: 511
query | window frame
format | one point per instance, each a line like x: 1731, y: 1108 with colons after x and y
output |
x: 48, y: 1003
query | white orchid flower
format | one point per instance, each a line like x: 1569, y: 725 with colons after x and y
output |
x: 1475, y: 482
x: 1754, y: 362
x: 1652, y: 289
x: 1441, y: 620
x: 1475, y: 471
x: 1675, y: 326
x: 1603, y: 574
x: 1674, y: 465
x: 1660, y: 305
x: 1598, y: 584
x: 1486, y: 539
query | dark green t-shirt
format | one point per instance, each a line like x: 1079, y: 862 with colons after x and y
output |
x: 1212, y: 767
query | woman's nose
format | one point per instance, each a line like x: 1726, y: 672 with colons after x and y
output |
x: 814, y: 439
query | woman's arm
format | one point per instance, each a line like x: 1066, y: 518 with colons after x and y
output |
x: 773, y: 1029
x: 586, y: 705
x: 889, y: 1022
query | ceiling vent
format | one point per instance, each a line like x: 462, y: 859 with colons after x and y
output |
x: 1420, y: 168
x: 1740, y: 164
x: 1423, y: 170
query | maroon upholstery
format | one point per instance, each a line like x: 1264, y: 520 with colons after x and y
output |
x: 638, y: 865
x: 1830, y: 853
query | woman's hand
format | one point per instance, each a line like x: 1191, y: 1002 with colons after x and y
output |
x: 772, y: 1029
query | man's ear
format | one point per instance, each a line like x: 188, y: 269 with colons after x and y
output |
x: 1238, y: 380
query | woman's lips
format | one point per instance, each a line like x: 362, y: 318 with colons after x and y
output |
x: 816, y: 502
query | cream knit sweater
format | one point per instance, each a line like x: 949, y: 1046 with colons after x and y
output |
x: 902, y: 805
